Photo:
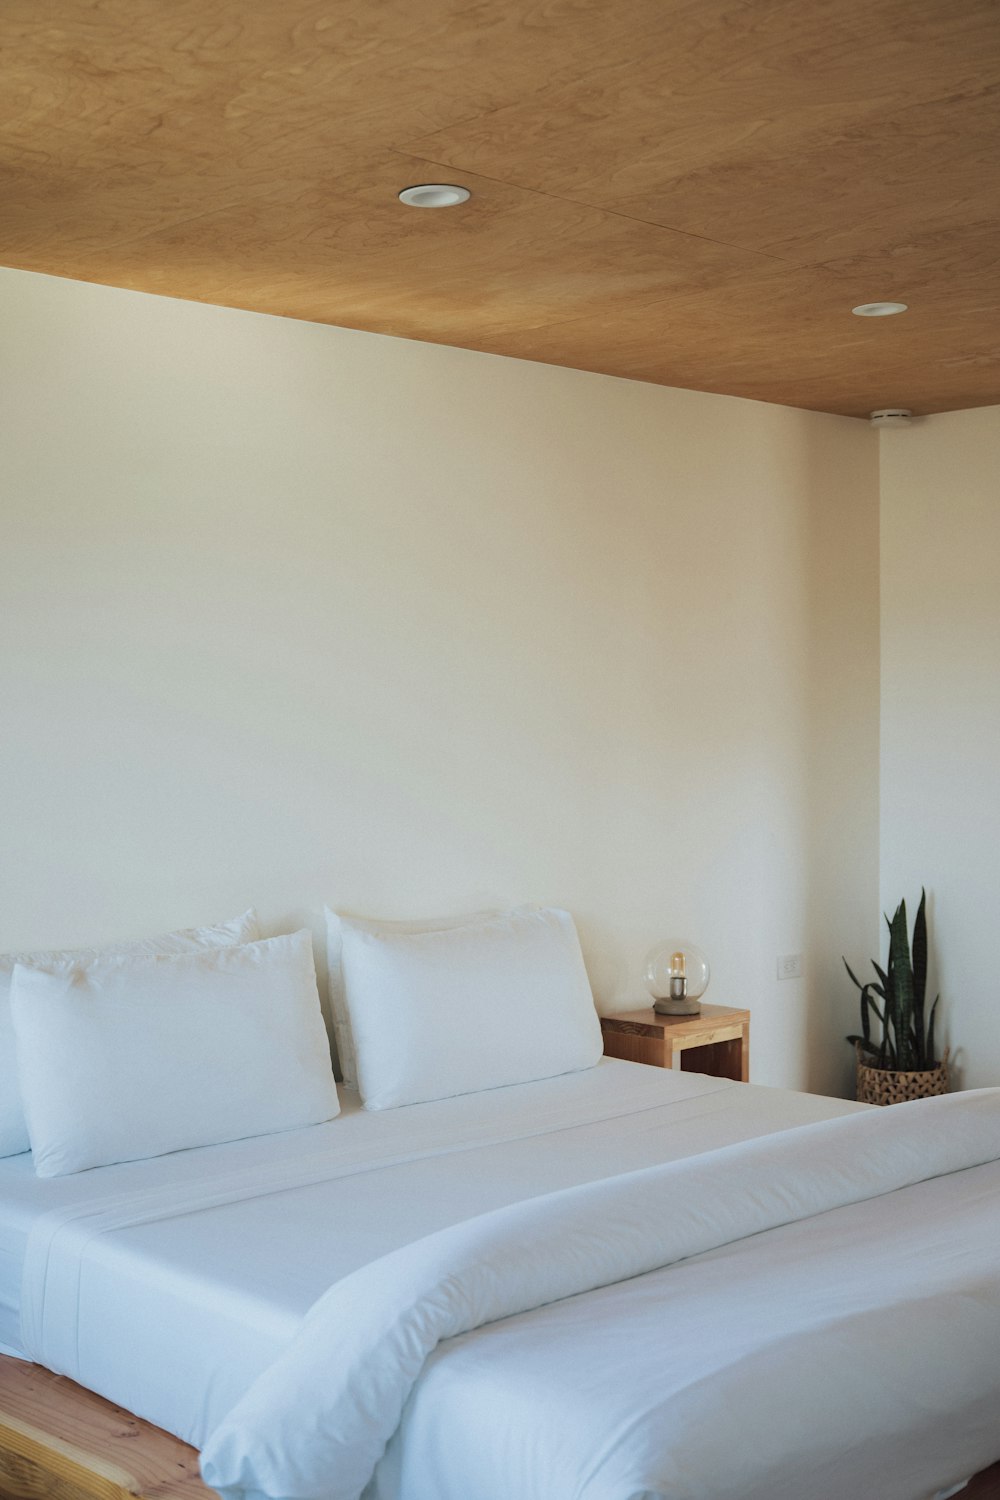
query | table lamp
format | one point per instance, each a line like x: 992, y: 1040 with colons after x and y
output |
x: 676, y: 976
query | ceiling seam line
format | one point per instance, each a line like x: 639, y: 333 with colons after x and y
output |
x: 601, y: 209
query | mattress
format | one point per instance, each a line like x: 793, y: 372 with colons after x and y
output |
x: 192, y: 1271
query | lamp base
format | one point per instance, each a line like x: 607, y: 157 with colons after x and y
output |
x: 685, y: 1007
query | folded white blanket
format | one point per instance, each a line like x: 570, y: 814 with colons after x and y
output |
x: 314, y: 1425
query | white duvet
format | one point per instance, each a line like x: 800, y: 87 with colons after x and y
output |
x: 810, y: 1315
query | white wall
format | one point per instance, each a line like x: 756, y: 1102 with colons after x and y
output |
x: 941, y: 711
x: 294, y: 614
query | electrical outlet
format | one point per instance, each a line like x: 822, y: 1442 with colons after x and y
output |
x: 790, y: 966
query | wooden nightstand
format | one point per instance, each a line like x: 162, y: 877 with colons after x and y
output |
x: 716, y: 1042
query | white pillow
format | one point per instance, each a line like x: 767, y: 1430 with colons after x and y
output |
x: 130, y: 1057
x: 499, y: 1001
x: 13, y: 1130
x: 334, y: 948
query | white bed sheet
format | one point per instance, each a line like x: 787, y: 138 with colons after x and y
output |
x: 175, y: 1317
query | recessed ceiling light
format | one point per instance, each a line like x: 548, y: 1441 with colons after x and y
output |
x: 878, y: 309
x: 434, y: 195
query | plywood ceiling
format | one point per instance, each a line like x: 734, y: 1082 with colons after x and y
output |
x: 692, y: 192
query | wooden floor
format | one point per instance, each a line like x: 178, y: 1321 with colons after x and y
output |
x: 60, y: 1442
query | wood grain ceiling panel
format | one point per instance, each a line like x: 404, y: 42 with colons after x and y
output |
x: 789, y: 332
x: 693, y: 192
x: 767, y: 148
x: 866, y: 187
x: 367, y: 261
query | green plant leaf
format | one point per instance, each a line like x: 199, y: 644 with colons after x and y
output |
x: 887, y: 1052
x: 920, y: 978
x: 931, y: 1053
x: 850, y: 971
x: 902, y: 975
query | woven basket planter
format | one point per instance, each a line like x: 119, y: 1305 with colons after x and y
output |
x: 883, y: 1086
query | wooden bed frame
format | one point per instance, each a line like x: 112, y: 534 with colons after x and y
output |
x: 60, y: 1442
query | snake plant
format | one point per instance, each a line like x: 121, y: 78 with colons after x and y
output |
x: 905, y: 1044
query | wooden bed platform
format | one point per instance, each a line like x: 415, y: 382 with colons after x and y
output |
x: 60, y: 1442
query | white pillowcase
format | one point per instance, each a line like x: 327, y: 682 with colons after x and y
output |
x: 497, y: 1001
x: 13, y: 1130
x: 129, y: 1057
x: 334, y: 954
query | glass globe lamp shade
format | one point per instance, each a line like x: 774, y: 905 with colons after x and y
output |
x: 676, y: 976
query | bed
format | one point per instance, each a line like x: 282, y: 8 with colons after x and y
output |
x: 505, y: 1268
x: 171, y: 1287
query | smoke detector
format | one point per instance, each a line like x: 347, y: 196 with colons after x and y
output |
x: 891, y: 416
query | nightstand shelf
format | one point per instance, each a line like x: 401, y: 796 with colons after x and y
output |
x: 716, y: 1042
